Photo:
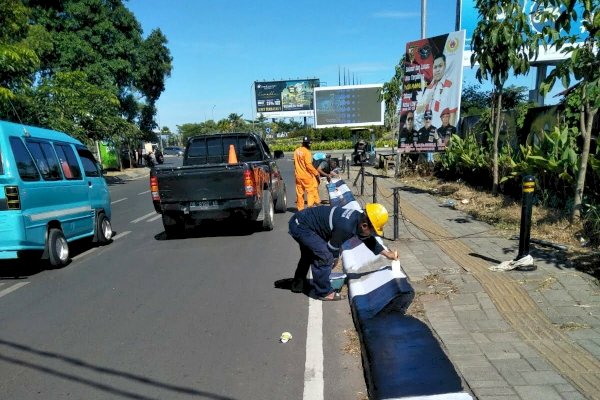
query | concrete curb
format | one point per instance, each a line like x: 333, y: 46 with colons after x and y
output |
x: 402, y: 357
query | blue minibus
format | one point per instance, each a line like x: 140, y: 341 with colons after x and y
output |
x: 52, y: 192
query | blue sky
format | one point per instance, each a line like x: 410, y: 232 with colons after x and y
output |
x: 220, y: 48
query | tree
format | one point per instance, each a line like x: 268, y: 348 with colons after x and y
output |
x: 67, y: 102
x: 103, y: 39
x: 582, y: 62
x: 18, y: 59
x: 235, y: 121
x: 502, y: 41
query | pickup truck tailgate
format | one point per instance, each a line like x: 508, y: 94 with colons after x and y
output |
x: 196, y: 183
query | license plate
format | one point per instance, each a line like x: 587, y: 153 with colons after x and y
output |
x: 204, y: 205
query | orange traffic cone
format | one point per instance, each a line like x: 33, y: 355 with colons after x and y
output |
x: 232, y: 156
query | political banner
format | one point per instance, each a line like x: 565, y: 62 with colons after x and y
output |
x: 430, y: 104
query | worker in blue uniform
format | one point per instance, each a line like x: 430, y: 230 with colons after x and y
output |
x: 320, y: 232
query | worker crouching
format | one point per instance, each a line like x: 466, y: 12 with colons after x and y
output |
x: 320, y: 232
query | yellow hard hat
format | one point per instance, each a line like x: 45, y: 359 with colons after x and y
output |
x: 377, y: 215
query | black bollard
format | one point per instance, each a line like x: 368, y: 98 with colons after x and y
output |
x: 374, y: 189
x: 396, y: 211
x: 526, y: 207
x: 362, y: 180
x: 348, y: 168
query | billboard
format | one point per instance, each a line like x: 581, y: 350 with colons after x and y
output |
x: 348, y: 106
x: 469, y: 18
x: 430, y: 103
x: 283, y: 99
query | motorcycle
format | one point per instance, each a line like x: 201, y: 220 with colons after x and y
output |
x: 160, y: 158
x: 149, y: 160
x: 360, y: 155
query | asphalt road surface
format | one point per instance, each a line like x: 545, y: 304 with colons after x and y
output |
x: 149, y: 318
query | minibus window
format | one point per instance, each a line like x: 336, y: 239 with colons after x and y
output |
x: 45, y: 160
x: 68, y: 161
x: 88, y: 161
x: 1, y: 167
x: 25, y: 164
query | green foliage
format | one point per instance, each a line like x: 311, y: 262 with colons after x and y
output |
x: 391, y: 93
x: 18, y: 60
x: 94, y: 45
x: 591, y: 222
x: 581, y: 62
x: 501, y: 44
x: 68, y: 102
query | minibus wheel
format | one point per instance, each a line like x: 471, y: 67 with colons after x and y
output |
x: 58, y: 248
x: 103, y: 229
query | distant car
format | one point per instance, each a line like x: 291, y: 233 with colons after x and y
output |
x: 173, y: 151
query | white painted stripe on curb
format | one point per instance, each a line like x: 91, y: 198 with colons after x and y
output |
x: 447, y: 396
x: 118, y: 201
x: 12, y: 288
x: 313, y: 369
x: 372, y: 282
x: 155, y: 218
x: 135, y: 221
x: 146, y: 192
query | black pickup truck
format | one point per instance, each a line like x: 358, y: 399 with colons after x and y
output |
x: 223, y: 176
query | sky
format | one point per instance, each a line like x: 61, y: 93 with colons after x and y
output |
x: 220, y: 48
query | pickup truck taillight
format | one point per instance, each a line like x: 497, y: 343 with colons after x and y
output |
x: 249, y: 187
x: 13, y: 201
x: 154, y: 188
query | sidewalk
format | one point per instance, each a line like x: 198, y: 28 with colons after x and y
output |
x: 113, y: 177
x: 511, y: 335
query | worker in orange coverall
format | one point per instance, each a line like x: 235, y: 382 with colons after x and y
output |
x: 306, y: 176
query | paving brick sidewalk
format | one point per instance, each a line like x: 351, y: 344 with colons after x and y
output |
x: 511, y: 335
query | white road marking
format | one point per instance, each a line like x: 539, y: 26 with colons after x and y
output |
x: 85, y: 253
x: 313, y: 369
x: 12, y: 288
x: 155, y: 218
x: 93, y: 249
x: 118, y: 201
x: 135, y: 221
x: 147, y: 191
x: 120, y: 235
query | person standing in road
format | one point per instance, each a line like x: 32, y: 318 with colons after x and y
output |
x: 326, y: 168
x: 321, y: 231
x: 306, y: 176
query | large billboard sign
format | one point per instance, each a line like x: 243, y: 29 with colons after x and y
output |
x: 469, y: 18
x: 430, y: 104
x: 283, y: 99
x: 349, y: 106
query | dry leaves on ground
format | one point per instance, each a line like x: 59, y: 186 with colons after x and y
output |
x: 504, y: 214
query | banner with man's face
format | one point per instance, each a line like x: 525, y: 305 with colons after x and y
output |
x: 430, y: 104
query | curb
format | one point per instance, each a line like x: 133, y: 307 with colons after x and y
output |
x: 402, y: 357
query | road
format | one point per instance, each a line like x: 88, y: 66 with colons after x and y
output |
x: 149, y: 318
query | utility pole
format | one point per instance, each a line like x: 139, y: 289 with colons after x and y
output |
x: 423, y: 18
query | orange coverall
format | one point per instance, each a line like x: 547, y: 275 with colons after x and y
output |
x: 306, y: 179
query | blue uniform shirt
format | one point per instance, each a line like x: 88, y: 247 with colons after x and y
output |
x: 335, y: 225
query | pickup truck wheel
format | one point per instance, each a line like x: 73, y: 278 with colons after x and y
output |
x: 103, y: 229
x: 281, y: 203
x: 174, y: 226
x: 58, y: 248
x: 268, y: 211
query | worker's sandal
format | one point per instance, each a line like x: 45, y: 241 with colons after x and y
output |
x: 333, y: 296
